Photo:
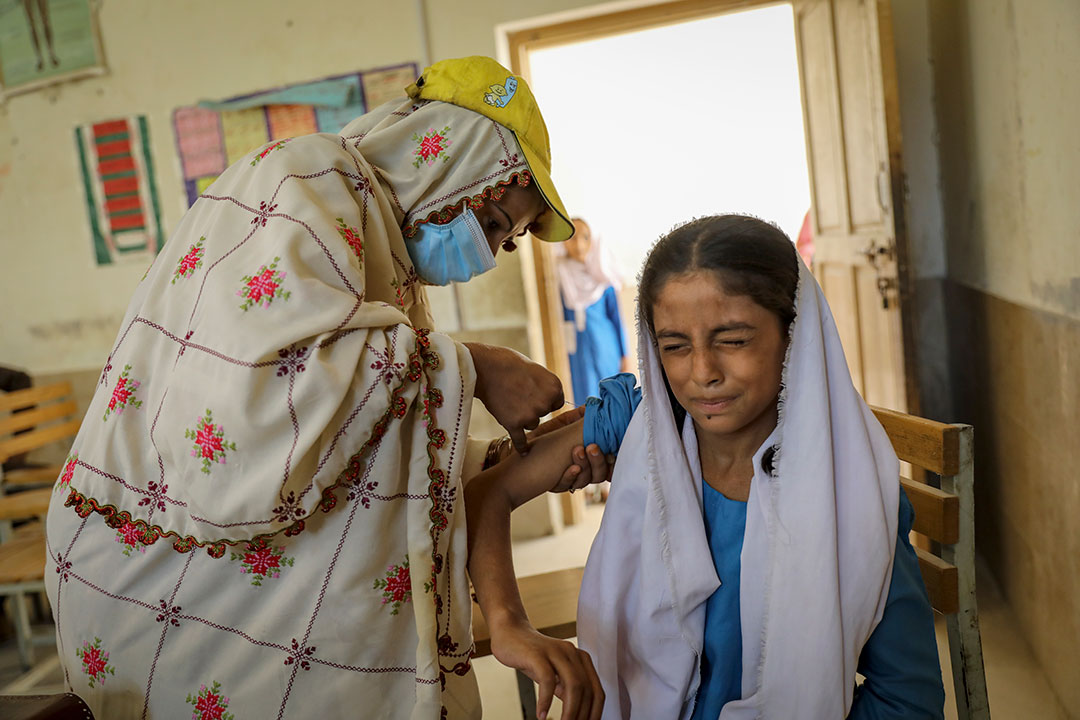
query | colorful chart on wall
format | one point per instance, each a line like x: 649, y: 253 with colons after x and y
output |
x: 121, y: 196
x: 211, y: 136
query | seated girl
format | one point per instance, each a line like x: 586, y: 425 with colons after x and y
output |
x: 753, y: 556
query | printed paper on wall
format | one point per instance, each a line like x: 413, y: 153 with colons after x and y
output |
x: 118, y: 183
x: 213, y: 135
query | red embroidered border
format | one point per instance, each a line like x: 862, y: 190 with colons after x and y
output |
x: 491, y: 192
x: 115, y: 518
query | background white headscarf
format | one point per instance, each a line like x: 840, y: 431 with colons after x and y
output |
x: 583, y: 283
x: 817, y: 551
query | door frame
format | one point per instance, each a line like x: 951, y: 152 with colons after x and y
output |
x: 520, y: 38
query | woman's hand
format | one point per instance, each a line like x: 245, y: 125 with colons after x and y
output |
x: 514, y: 389
x: 585, y: 465
x: 559, y: 668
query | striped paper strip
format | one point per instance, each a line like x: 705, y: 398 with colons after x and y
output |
x: 121, y: 196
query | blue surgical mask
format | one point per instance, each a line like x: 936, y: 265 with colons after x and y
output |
x: 454, y: 252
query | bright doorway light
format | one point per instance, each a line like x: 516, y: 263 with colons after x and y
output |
x: 653, y: 128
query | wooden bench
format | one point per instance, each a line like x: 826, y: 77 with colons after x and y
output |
x: 29, y: 419
x: 944, y: 515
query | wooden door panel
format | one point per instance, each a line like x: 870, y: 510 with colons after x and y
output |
x: 880, y: 338
x: 823, y: 147
x: 849, y: 152
x: 838, y: 283
x: 859, y: 109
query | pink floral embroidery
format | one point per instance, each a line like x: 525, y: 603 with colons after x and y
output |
x: 431, y: 146
x: 131, y: 538
x: 267, y: 150
x: 95, y: 662
x: 262, y: 287
x: 352, y: 236
x: 209, y: 703
x: 123, y: 395
x: 69, y: 471
x: 263, y: 562
x: 191, y: 262
x: 397, y: 586
x: 210, y: 442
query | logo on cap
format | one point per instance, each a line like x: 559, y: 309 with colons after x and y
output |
x: 500, y: 95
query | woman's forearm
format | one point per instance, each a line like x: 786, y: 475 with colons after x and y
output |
x: 491, y: 563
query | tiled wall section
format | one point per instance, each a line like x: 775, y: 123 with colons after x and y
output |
x: 1017, y: 380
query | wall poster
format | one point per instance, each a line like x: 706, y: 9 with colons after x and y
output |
x: 118, y: 182
x: 43, y: 42
x: 211, y: 136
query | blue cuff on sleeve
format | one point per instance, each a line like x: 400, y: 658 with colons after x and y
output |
x: 607, y: 416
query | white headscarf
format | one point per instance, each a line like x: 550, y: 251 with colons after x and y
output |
x: 817, y: 551
x: 277, y: 362
x: 456, y: 154
x: 583, y: 283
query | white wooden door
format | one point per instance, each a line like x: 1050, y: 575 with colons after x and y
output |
x: 852, y: 124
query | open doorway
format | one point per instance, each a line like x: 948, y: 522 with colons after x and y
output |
x: 850, y: 161
x: 669, y: 123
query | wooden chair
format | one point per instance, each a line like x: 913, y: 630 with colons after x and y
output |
x: 945, y: 515
x: 34, y: 418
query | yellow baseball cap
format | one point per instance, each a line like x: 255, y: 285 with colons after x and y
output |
x: 482, y: 85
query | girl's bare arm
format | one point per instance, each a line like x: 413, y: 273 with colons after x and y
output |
x: 556, y: 665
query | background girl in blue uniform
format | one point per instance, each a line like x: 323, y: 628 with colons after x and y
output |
x: 753, y: 556
x: 588, y: 283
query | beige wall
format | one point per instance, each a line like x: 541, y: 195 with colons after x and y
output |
x: 1007, y: 100
x: 161, y: 55
x: 1010, y: 101
x: 61, y: 311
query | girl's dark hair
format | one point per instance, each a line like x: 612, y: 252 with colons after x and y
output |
x: 750, y: 256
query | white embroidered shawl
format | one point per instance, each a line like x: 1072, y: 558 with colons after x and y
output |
x: 276, y: 362
x: 816, y: 559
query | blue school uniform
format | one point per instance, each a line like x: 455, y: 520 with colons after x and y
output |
x: 601, y: 346
x: 899, y: 661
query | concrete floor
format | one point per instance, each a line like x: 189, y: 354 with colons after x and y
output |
x: 1018, y: 688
